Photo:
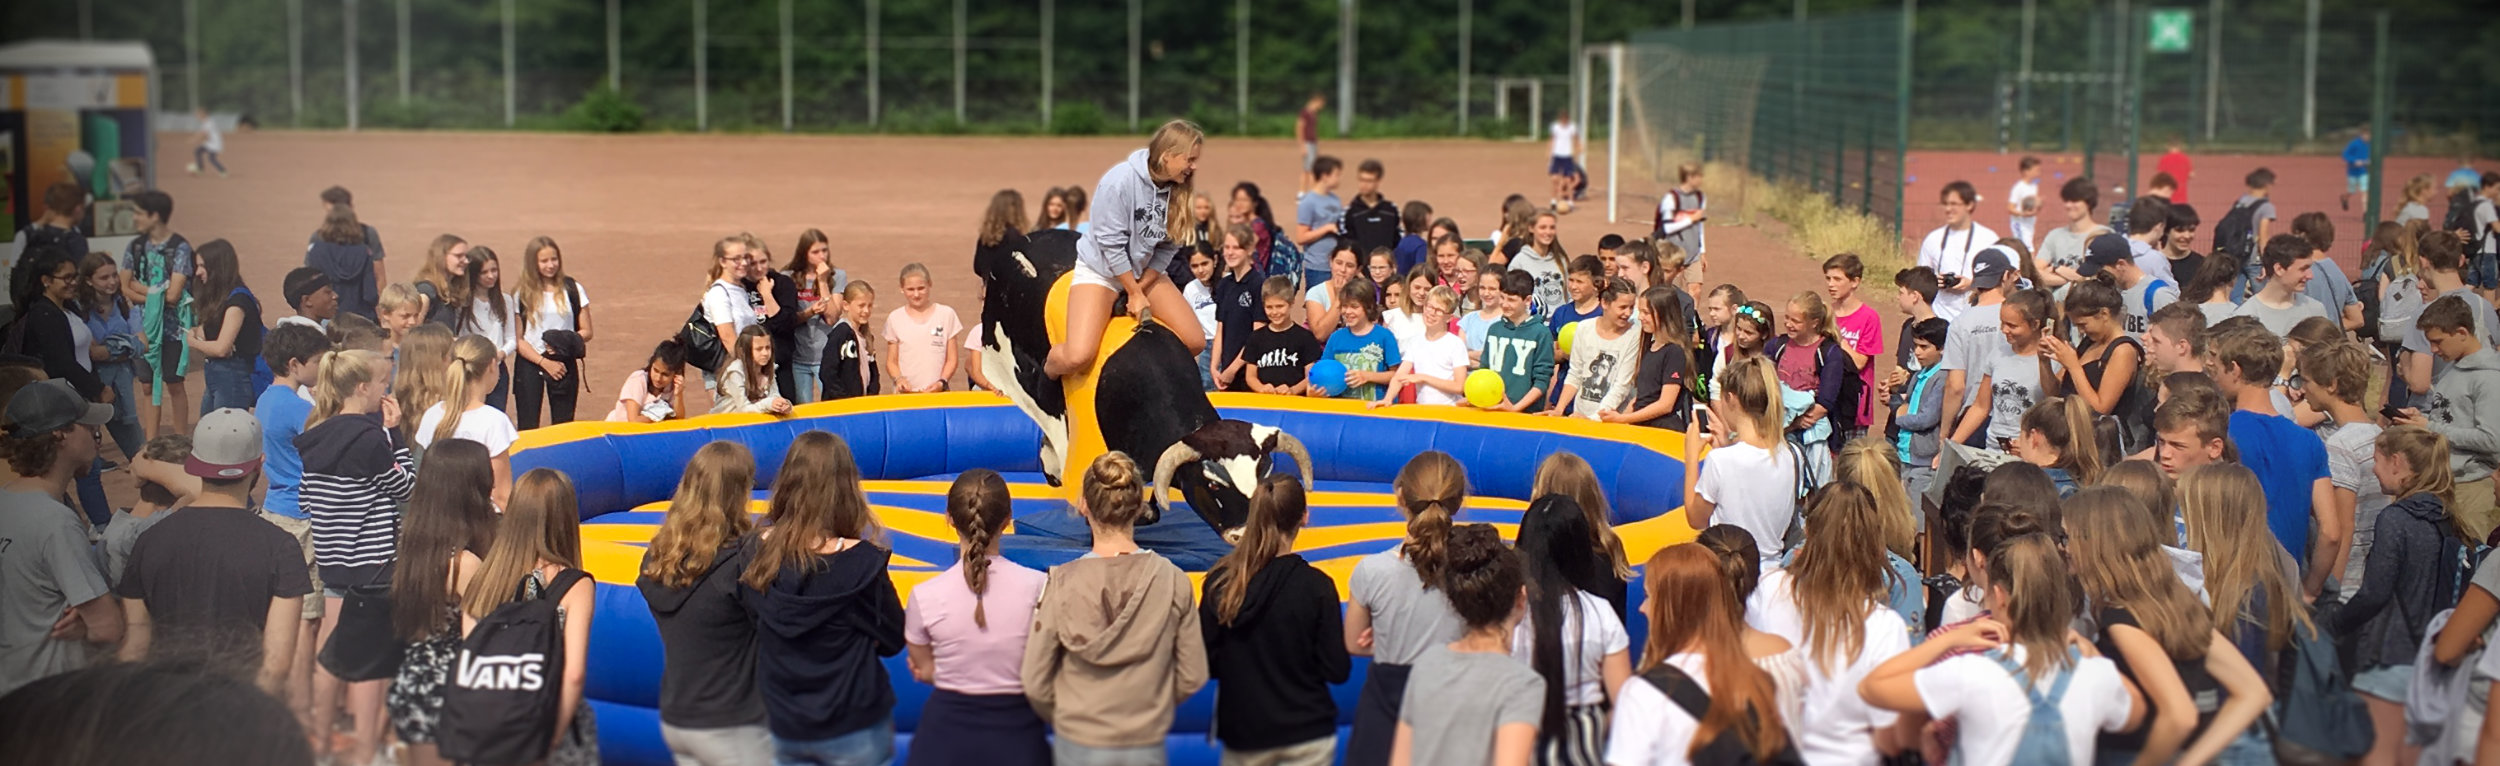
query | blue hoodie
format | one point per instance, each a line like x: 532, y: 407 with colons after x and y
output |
x: 1129, y: 234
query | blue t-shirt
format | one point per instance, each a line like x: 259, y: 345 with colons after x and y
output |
x: 1319, y: 209
x: 282, y: 412
x: 1568, y: 313
x: 1375, y: 351
x: 2288, y: 460
x: 2357, y: 157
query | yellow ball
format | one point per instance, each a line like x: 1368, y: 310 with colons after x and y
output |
x: 1484, y: 389
x: 1562, y: 340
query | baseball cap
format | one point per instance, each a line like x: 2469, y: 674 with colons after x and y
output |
x: 226, y: 445
x: 1988, y: 269
x: 2103, y: 252
x: 45, y: 406
x: 302, y: 282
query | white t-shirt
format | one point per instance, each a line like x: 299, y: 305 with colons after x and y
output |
x: 555, y: 313
x: 212, y: 138
x: 1773, y: 606
x: 1753, y: 488
x: 1408, y: 327
x: 1650, y: 729
x: 1991, y: 709
x: 1440, y: 358
x: 1950, y: 252
x: 1201, y: 302
x: 725, y: 302
x: 1843, y: 728
x: 1566, y: 138
x: 1588, y: 637
x: 2023, y: 190
x: 484, y: 320
x: 1603, y: 367
x: 484, y: 425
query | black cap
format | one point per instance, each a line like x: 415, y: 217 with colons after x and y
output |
x: 2103, y: 252
x: 1989, y: 267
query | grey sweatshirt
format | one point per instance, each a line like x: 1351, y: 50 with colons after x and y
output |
x: 2464, y: 405
x: 1128, y: 236
x: 1918, y: 422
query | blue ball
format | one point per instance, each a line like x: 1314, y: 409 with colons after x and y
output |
x: 1329, y: 376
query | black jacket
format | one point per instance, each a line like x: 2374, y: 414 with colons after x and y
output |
x: 783, y: 328
x: 1274, y: 663
x: 1371, y: 225
x: 42, y: 332
x: 850, y: 365
x: 2415, y: 569
x: 819, y: 636
x: 707, y: 679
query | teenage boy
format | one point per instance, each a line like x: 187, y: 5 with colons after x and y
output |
x: 1371, y: 219
x: 2356, y: 168
x: 2442, y: 260
x: 292, y: 351
x: 1605, y: 352
x: 2159, y: 187
x: 164, y: 487
x: 339, y: 196
x: 2180, y: 246
x: 156, y: 266
x: 214, y: 581
x: 2148, y: 229
x: 1921, y: 408
x: 55, y: 226
x: 2336, y: 375
x: 1319, y: 218
x: 1861, y: 334
x: 2174, y: 340
x: 1520, y: 348
x: 2464, y: 405
x: 2062, y: 249
x: 1581, y: 283
x: 1608, y: 246
x: 2192, y: 428
x: 2289, y: 460
x: 1951, y: 249
x: 2175, y: 163
x: 1306, y: 133
x: 2259, y: 204
x: 1279, y: 352
x: 315, y: 300
x: 1913, y: 290
x: 1976, y: 338
x: 2483, y: 243
x: 2023, y: 203
x: 2140, y: 294
x: 55, y: 603
x: 1414, y: 221
x: 1681, y: 213
x: 2283, y: 302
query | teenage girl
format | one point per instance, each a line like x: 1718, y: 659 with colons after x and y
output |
x: 2014, y: 381
x: 1835, y: 608
x: 920, y: 349
x: 657, y: 391
x: 420, y: 374
x: 1572, y: 636
x: 1718, y: 315
x: 547, y: 301
x: 710, y: 711
x: 1272, y: 632
x: 1132, y: 253
x: 449, y: 527
x: 1740, y: 567
x: 538, y: 548
x: 463, y: 414
x: 1488, y: 301
x: 2157, y: 495
x: 819, y: 296
x: 1054, y: 210
x: 726, y: 301
x: 1812, y: 361
x: 1368, y: 351
x: 2416, y: 563
x: 816, y: 584
x: 357, y: 473
x: 1750, y: 480
x: 1543, y: 257
x: 1319, y: 307
x: 2027, y: 657
x: 966, y: 631
x: 1566, y: 474
x: 229, y: 331
x: 1637, y: 262
x: 2203, y: 694
x: 2104, y: 372
x: 2058, y: 436
x: 1393, y: 613
x: 1110, y: 679
x: 2248, y: 576
x: 443, y: 279
x: 1684, y: 655
x: 1080, y: 208
x: 1868, y: 462
x: 490, y: 316
x: 1471, y: 704
x: 746, y: 380
x: 850, y: 367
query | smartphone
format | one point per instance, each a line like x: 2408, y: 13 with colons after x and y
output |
x: 2391, y: 412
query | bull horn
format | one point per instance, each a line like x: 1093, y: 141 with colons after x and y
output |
x: 1173, y: 457
x: 1293, y: 448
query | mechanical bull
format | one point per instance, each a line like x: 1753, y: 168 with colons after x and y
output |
x: 1141, y: 396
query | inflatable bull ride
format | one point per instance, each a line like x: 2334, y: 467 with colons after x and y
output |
x: 1141, y: 396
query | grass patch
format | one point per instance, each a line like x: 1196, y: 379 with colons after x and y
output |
x: 1812, y: 224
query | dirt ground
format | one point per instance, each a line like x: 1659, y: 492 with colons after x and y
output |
x: 637, y: 215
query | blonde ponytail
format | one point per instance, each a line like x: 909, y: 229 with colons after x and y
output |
x: 472, y: 358
x: 338, y: 375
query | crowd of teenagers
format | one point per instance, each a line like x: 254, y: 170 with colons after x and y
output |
x: 2127, y: 502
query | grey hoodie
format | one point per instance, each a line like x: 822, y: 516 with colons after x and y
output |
x: 2464, y: 405
x: 1114, y: 650
x: 1129, y: 230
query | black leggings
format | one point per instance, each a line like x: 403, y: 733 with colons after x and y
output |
x: 528, y: 380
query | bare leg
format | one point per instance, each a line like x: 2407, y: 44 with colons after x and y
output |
x: 1089, y: 310
x: 364, y: 701
x: 147, y: 409
x: 1173, y: 311
x: 2389, y: 719
x: 325, y: 688
x: 178, y: 404
x: 426, y: 755
x: 299, y: 677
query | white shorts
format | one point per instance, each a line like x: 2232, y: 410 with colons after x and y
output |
x: 1086, y: 275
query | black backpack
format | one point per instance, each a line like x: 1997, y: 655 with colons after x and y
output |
x: 499, y: 705
x: 2237, y: 233
x: 2461, y: 214
x: 1726, y: 749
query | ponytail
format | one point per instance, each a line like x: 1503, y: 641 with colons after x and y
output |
x: 472, y: 357
x: 2040, y: 601
x: 978, y: 506
x: 339, y: 374
x: 1430, y: 489
x: 2072, y: 427
x: 1277, y: 508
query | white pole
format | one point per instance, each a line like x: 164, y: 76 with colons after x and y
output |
x: 1466, y: 47
x: 959, y: 61
x: 510, y: 80
x: 191, y: 48
x: 1241, y: 66
x: 2031, y: 12
x: 354, y: 106
x: 1614, y: 128
x: 786, y: 119
x: 702, y: 98
x: 401, y: 52
x: 1136, y: 30
x: 872, y: 62
x: 2213, y: 66
x: 294, y: 59
x: 1345, y: 67
x: 1579, y: 67
x: 2309, y: 76
x: 616, y: 58
x: 1047, y: 25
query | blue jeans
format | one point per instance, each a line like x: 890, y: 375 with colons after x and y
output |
x: 229, y: 385
x: 125, y: 424
x: 872, y: 746
x: 1206, y: 377
x: 810, y: 388
x: 201, y: 156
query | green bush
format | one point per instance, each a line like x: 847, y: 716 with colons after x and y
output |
x: 604, y: 110
x: 1078, y: 118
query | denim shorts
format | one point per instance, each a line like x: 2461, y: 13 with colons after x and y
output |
x: 2483, y: 270
x: 2388, y: 683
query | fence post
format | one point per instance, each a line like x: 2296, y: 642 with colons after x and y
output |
x: 2135, y: 95
x: 786, y: 19
x: 1241, y: 66
x: 1901, y: 108
x: 1345, y: 67
x: 2309, y: 76
x: 2022, y: 78
x: 1580, y: 67
x: 959, y: 61
x: 872, y: 62
x: 2382, y: 94
x: 354, y: 117
x: 191, y: 50
x: 2213, y: 66
x: 1135, y: 31
x: 1614, y: 129
x: 510, y: 73
x: 1466, y: 37
x: 1049, y: 29
x: 616, y: 58
x: 295, y: 60
x: 702, y: 104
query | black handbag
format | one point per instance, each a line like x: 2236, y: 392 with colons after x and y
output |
x: 364, y: 647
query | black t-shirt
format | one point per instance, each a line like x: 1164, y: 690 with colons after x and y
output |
x: 1238, y: 309
x: 1281, y: 356
x: 207, y: 576
x: 1662, y: 367
x: 247, y: 340
x: 2185, y: 268
x: 2201, y: 685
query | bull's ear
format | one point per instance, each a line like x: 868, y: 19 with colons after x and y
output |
x: 1233, y: 536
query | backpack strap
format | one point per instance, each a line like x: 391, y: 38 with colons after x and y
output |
x: 573, y: 299
x: 1679, y: 688
x: 563, y: 583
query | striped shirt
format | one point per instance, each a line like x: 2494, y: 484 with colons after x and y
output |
x: 356, y: 476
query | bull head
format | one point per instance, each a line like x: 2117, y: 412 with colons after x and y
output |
x: 1219, y: 466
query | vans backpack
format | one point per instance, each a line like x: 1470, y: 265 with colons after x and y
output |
x: 1727, y: 749
x: 2236, y: 234
x: 2043, y: 741
x: 499, y: 705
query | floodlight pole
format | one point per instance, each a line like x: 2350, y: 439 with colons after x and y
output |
x: 191, y: 48
x: 2022, y: 81
x: 294, y: 59
x: 1466, y: 51
x: 1345, y: 66
x: 510, y: 78
x: 1048, y: 24
x: 616, y: 58
x: 702, y: 99
x: 1136, y: 30
x: 959, y: 60
x: 1241, y: 66
x: 2213, y: 66
x: 872, y: 62
x: 786, y: 119
x: 2309, y: 76
x: 354, y: 93
x: 1580, y: 67
x: 401, y: 53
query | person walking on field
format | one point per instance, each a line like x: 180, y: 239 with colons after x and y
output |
x: 1306, y: 132
x: 212, y: 145
x: 1564, y: 168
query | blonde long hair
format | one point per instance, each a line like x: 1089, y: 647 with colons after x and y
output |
x: 1175, y: 137
x: 472, y: 364
x: 1567, y: 474
x: 340, y: 374
x: 1430, y: 490
x: 2426, y: 452
x: 2121, y: 564
x: 533, y: 287
x: 2226, y: 521
x: 1839, y: 573
x: 1868, y: 461
x: 424, y: 356
x: 542, y: 523
x: 709, y: 511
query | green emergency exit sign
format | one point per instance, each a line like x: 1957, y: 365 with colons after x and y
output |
x: 2170, y: 30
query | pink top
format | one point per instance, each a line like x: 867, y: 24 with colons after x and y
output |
x: 920, y: 344
x: 1863, y: 332
x: 636, y: 395
x: 970, y: 659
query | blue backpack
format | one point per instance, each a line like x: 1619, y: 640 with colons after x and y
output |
x: 2317, y: 717
x: 2044, y: 734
